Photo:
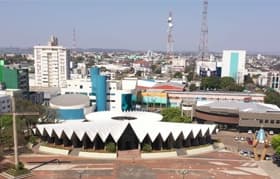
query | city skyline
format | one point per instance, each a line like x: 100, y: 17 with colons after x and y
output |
x: 141, y: 25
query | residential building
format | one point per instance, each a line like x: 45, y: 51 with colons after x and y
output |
x: 51, y: 63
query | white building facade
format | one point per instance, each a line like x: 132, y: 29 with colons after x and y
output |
x: 83, y: 86
x: 233, y: 64
x: 51, y: 64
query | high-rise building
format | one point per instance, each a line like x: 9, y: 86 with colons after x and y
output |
x: 233, y: 64
x: 51, y: 64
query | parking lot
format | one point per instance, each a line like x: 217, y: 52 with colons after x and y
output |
x: 236, y: 142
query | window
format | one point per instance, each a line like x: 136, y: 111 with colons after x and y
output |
x: 261, y: 121
x: 277, y: 121
x: 81, y: 86
x: 272, y: 121
x: 266, y: 121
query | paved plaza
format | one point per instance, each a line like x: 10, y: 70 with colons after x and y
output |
x: 217, y: 164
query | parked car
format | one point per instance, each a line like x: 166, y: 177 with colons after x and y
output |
x: 236, y: 138
x: 268, y: 157
x: 242, y: 138
x: 276, y: 159
x: 247, y: 153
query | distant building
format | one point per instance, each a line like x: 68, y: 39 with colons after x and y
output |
x: 12, y: 78
x: 103, y: 94
x: 178, y: 64
x: 5, y: 103
x: 274, y: 80
x: 260, y: 78
x: 238, y: 114
x: 233, y: 64
x: 51, y: 64
x: 208, y: 68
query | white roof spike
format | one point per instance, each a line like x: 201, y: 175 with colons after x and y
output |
x: 211, y: 128
x: 186, y: 133
x: 49, y: 130
x: 195, y: 131
x: 142, y: 123
x: 204, y: 129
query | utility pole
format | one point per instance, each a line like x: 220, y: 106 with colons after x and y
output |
x: 14, y: 114
x: 15, y: 131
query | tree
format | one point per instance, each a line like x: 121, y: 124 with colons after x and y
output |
x: 110, y: 147
x: 177, y: 74
x: 190, y: 76
x: 210, y: 83
x: 235, y: 87
x: 147, y: 148
x: 192, y: 87
x: 174, y: 115
x: 138, y: 74
x: 6, y: 131
x: 272, y: 97
x: 275, y: 142
x: 226, y: 82
x: 248, y: 79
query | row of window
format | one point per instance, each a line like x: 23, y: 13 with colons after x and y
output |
x: 4, y: 101
x: 266, y: 121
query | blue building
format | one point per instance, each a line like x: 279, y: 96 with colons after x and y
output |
x: 99, y: 88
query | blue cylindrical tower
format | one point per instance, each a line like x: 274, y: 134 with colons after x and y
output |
x: 101, y: 96
x: 94, y: 73
x: 70, y: 106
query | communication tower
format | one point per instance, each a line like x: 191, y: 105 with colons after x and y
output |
x: 170, y: 40
x: 203, y: 43
x: 74, y: 41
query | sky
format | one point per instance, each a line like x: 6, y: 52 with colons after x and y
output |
x: 252, y: 25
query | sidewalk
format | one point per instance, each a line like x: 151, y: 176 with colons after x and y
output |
x: 270, y: 168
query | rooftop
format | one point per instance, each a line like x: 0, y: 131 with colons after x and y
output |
x: 70, y: 100
x: 240, y: 106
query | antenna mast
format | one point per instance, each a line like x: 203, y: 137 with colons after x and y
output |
x: 170, y: 40
x: 74, y: 42
x: 203, y: 43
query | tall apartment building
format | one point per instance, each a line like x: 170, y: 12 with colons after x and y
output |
x: 51, y: 64
x: 233, y: 64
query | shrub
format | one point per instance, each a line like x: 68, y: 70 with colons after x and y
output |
x: 275, y: 142
x: 110, y: 147
x: 20, y: 166
x: 147, y: 148
x: 33, y: 140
